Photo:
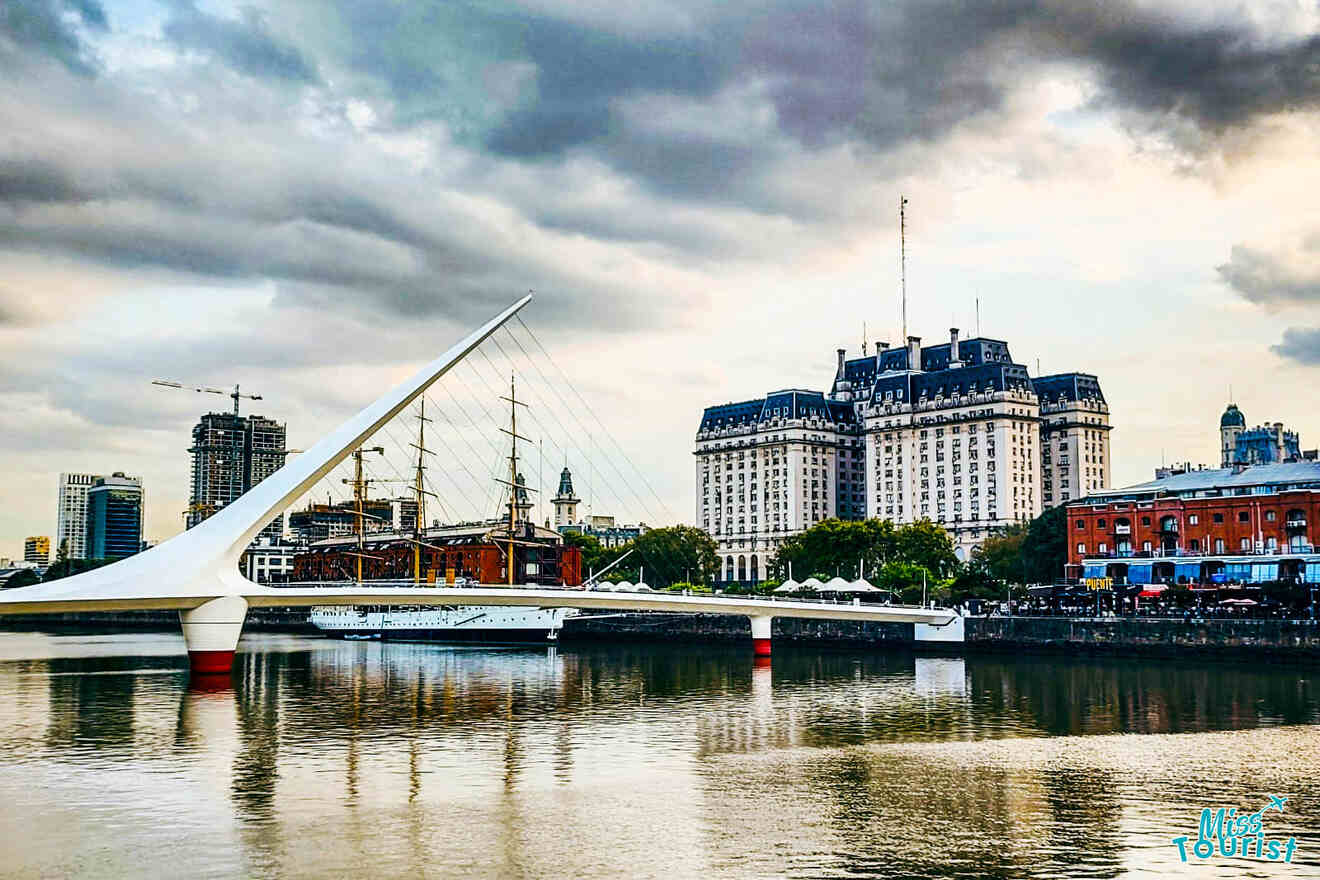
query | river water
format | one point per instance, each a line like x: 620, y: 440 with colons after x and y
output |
x: 328, y: 759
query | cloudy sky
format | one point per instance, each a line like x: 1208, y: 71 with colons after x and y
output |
x: 311, y: 198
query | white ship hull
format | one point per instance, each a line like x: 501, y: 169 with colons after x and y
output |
x: 483, y: 624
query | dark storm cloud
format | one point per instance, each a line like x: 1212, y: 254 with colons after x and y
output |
x: 36, y: 180
x: 1300, y: 345
x: 1269, y: 279
x: 46, y: 26
x: 880, y: 75
x: 246, y: 44
x: 580, y: 71
x: 1217, y: 75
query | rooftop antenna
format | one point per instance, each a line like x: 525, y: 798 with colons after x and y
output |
x: 902, y: 259
x: 978, y: 317
x: 863, y: 339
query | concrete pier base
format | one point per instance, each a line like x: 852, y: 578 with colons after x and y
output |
x: 211, y: 632
x: 761, y: 635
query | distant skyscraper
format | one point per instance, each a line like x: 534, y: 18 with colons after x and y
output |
x: 114, y: 517
x: 231, y: 454
x: 71, y: 517
x: 36, y: 549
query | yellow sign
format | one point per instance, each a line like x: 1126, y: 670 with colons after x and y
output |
x: 450, y: 573
x: 1099, y: 583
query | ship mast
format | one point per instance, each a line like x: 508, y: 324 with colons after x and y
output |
x: 421, y: 493
x: 514, y: 403
x: 359, y: 497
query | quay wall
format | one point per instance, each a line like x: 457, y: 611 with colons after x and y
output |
x: 1122, y: 636
x: 1110, y: 636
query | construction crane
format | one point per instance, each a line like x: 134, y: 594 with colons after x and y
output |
x: 206, y: 389
x: 199, y: 510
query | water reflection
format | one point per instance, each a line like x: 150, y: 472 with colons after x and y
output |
x: 330, y: 757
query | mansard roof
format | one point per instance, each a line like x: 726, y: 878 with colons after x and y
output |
x: 791, y: 403
x: 992, y: 377
x: 1070, y: 387
x: 863, y: 371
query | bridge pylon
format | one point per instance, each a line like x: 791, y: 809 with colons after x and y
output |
x: 761, y: 634
x: 211, y: 632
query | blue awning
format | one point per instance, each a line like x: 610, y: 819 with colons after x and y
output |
x: 1093, y: 571
x: 1188, y: 572
x: 1263, y: 572
x: 1139, y: 573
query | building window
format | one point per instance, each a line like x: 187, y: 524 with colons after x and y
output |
x: 1099, y: 524
x: 1081, y: 524
x: 1081, y: 549
x: 1193, y: 519
x: 1218, y: 517
x: 1243, y: 516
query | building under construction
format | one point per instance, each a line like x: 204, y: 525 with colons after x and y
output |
x: 230, y: 455
x: 474, y: 551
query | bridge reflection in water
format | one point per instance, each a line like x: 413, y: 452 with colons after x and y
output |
x: 331, y: 758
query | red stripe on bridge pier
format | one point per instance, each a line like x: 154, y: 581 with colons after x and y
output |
x: 210, y: 662
x: 761, y: 647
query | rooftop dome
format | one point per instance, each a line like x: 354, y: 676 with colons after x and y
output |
x: 1232, y: 416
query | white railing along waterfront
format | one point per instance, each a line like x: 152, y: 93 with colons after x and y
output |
x: 408, y: 583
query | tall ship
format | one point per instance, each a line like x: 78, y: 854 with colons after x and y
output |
x: 512, y: 550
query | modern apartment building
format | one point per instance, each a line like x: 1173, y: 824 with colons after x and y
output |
x: 957, y: 433
x: 71, y: 514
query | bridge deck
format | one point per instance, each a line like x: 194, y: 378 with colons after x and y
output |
x: 306, y: 595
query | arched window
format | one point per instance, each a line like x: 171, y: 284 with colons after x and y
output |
x: 756, y: 570
x: 728, y: 569
x: 742, y: 568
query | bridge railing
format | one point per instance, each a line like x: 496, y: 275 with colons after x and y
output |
x: 408, y: 583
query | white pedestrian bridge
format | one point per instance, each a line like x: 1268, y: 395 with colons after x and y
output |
x: 197, y: 574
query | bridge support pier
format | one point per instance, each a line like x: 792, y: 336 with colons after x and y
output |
x: 211, y: 631
x: 761, y: 635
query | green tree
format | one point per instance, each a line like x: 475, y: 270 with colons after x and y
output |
x: 835, y: 546
x: 594, y: 556
x: 666, y: 556
x: 23, y: 578
x: 928, y: 545
x: 974, y: 581
x: 1000, y: 555
x: 66, y: 567
x: 1045, y: 547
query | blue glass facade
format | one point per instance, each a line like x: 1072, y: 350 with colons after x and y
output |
x: 114, y: 519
